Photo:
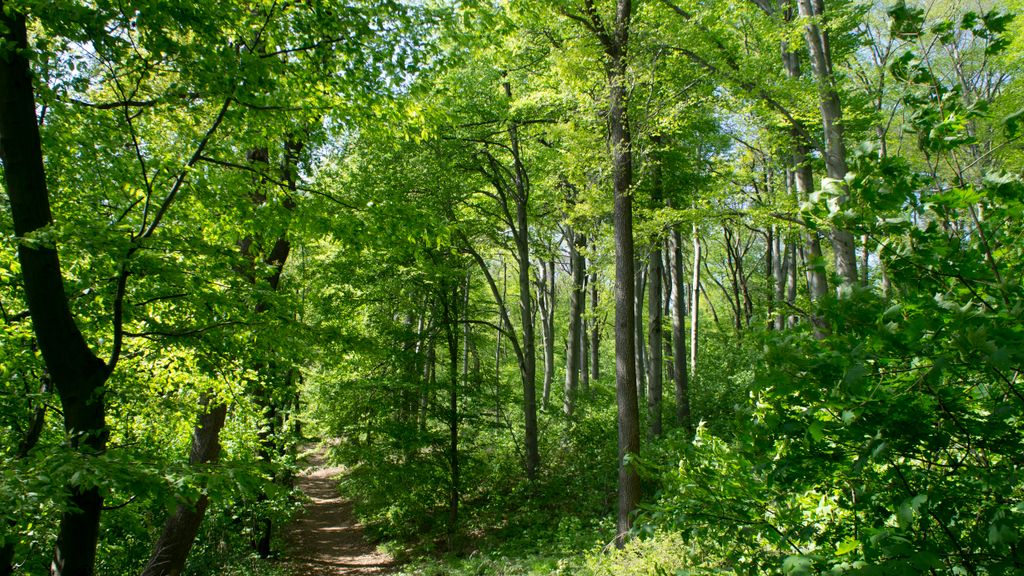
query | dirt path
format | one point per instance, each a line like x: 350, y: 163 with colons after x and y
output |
x: 326, y: 539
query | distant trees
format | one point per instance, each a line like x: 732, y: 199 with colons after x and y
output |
x: 376, y: 206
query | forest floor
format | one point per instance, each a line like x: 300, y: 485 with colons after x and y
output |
x: 326, y: 539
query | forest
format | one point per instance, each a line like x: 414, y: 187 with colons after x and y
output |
x: 594, y: 287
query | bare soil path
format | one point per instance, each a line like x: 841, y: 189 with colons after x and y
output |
x: 326, y: 539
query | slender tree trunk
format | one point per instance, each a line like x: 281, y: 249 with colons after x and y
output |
x: 450, y: 302
x: 732, y: 260
x: 780, y: 267
x: 528, y: 365
x: 638, y: 313
x: 430, y: 376
x: 654, y: 364
x: 78, y: 375
x: 575, y: 335
x: 497, y: 349
x: 864, y: 260
x: 791, y: 280
x: 549, y: 348
x: 583, y: 339
x: 695, y: 305
x: 678, y: 298
x: 595, y: 336
x: 546, y: 302
x: 584, y: 354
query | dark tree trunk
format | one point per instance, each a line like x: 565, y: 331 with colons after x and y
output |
x: 584, y: 339
x: 450, y: 302
x: 575, y: 335
x: 77, y: 374
x: 595, y: 334
x: 615, y: 43
x: 528, y: 360
x: 654, y: 338
x: 171, y: 550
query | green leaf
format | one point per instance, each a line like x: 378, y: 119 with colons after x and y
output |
x: 847, y: 546
x: 1012, y: 123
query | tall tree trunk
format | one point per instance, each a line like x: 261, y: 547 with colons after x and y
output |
x: 678, y: 298
x: 595, y: 334
x: 732, y: 261
x: 78, y: 375
x: 638, y: 313
x: 584, y: 339
x: 615, y: 44
x: 549, y: 348
x: 779, y: 268
x: 528, y: 364
x: 695, y: 305
x: 813, y: 11
x: 450, y: 303
x: 497, y: 348
x: 179, y: 533
x: 575, y: 335
x: 791, y: 280
x: 275, y: 260
x: 584, y: 353
x: 430, y: 377
x: 654, y: 363
x: 546, y: 304
x: 801, y: 174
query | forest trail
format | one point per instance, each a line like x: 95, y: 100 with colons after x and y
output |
x: 326, y: 539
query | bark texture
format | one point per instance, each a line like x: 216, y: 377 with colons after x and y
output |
x: 574, y: 346
x: 180, y: 529
x: 77, y: 374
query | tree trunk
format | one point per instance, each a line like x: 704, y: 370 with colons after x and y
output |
x: 584, y: 340
x: 865, y: 256
x: 678, y: 298
x: 779, y: 270
x: 654, y: 364
x: 695, y: 305
x: 179, y: 533
x: 528, y: 364
x: 622, y: 217
x: 639, y: 291
x: 275, y: 260
x: 451, y: 318
x: 804, y: 179
x: 78, y: 375
x: 832, y: 118
x: 546, y: 303
x: 791, y: 280
x: 595, y: 335
x: 575, y: 335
